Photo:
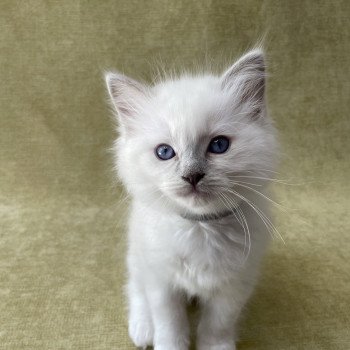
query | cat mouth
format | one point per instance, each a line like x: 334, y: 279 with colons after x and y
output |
x: 193, y: 192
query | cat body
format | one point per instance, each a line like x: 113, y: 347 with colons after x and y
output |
x: 195, y: 154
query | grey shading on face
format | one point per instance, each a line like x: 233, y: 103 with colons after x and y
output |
x: 193, y: 166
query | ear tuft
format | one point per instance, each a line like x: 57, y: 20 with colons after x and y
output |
x: 247, y: 78
x: 125, y: 93
x: 111, y: 78
x: 252, y: 63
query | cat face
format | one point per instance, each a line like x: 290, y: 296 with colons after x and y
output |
x: 189, y: 142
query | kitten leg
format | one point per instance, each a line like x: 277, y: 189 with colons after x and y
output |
x: 169, y: 316
x: 216, y: 330
x: 140, y: 321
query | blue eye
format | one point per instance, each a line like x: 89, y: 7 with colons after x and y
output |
x: 218, y: 144
x: 165, y: 152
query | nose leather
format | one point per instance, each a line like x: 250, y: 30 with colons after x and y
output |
x: 193, y: 179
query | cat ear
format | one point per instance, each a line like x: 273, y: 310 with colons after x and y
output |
x: 246, y: 79
x: 126, y: 94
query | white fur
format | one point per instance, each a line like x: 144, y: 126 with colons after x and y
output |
x: 171, y: 258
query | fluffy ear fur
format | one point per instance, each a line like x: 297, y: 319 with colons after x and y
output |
x: 246, y: 79
x: 126, y: 95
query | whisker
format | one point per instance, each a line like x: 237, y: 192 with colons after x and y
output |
x: 269, y: 225
x: 243, y: 223
x: 280, y: 206
x: 283, y: 182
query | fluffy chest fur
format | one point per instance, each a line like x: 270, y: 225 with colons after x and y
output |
x: 197, y: 257
x: 206, y: 256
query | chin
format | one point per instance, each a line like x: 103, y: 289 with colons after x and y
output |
x: 197, y: 202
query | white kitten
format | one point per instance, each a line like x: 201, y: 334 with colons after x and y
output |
x: 195, y: 154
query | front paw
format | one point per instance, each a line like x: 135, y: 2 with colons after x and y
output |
x: 219, y: 345
x: 141, y: 332
x: 171, y: 347
x: 181, y: 343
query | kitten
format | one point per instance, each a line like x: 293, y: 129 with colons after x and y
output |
x: 195, y: 154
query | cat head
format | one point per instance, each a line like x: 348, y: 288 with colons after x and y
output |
x: 194, y: 142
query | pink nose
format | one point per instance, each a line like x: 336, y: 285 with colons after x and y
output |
x: 193, y: 179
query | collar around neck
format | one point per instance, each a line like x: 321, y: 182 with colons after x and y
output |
x: 207, y: 217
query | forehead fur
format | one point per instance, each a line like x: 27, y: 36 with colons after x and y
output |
x: 190, y: 106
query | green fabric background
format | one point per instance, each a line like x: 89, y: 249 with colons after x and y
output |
x: 62, y: 241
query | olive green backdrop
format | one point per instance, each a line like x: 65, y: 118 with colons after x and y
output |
x: 62, y: 240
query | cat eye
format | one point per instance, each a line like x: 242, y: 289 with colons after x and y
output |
x: 219, y: 144
x: 164, y: 152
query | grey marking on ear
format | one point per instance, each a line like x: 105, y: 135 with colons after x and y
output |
x: 248, y: 77
x: 124, y: 92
